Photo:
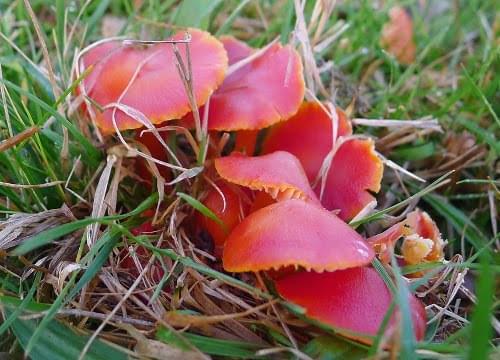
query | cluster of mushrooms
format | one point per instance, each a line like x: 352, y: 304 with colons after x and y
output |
x: 284, y: 196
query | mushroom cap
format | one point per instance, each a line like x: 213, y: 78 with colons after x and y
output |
x: 397, y: 35
x: 157, y: 90
x: 236, y: 50
x: 354, y: 301
x: 267, y: 90
x: 307, y: 135
x: 294, y: 233
x: 422, y: 239
x: 230, y: 212
x: 355, y: 169
x: 280, y: 174
x: 422, y: 224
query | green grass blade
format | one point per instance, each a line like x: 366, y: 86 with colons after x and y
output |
x: 229, y: 21
x: 408, y: 342
x: 195, y: 13
x: 50, y: 235
x: 458, y: 220
x: 481, y: 330
x: 20, y: 308
x: 202, y: 209
x: 91, y: 153
x: 60, y: 342
x: 211, y: 346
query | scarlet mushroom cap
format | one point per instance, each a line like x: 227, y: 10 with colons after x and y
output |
x: 353, y: 301
x: 229, y: 206
x: 261, y: 93
x: 397, y: 36
x: 355, y: 170
x: 279, y: 174
x: 236, y: 50
x: 423, y: 225
x: 146, y: 79
x: 422, y: 239
x: 294, y: 233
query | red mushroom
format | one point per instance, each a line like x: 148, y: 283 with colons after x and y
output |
x: 294, y: 233
x: 131, y: 81
x: 355, y: 170
x: 422, y: 239
x: 242, y: 102
x: 353, y: 301
x: 236, y: 50
x: 279, y: 174
x: 397, y: 36
x: 229, y: 206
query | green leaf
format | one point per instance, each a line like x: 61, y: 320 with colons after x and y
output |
x: 480, y: 133
x: 229, y: 21
x: 480, y: 94
x: 286, y: 27
x: 195, y: 13
x: 91, y: 153
x: 47, y: 236
x: 98, y: 14
x: 481, y: 330
x: 415, y: 152
x: 21, y: 306
x: 60, y: 342
x: 332, y: 348
x: 408, y: 342
x: 60, y: 23
x: 211, y: 346
x: 202, y: 209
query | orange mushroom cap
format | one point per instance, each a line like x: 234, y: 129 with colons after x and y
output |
x: 294, y: 233
x: 230, y: 210
x: 354, y: 301
x: 422, y: 239
x: 245, y: 140
x: 397, y: 36
x: 355, y: 169
x: 157, y: 91
x: 261, y: 93
x: 280, y: 174
x: 236, y: 50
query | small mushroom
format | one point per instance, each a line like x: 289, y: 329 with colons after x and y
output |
x: 236, y: 50
x: 229, y: 206
x: 294, y: 233
x: 422, y: 239
x: 397, y: 36
x: 265, y: 91
x: 133, y: 81
x: 355, y: 170
x: 279, y: 174
x: 352, y: 301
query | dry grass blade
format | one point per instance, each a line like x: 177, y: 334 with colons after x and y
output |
x: 424, y: 123
x: 20, y: 227
x: 45, y: 51
x: 18, y: 138
x: 32, y: 186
